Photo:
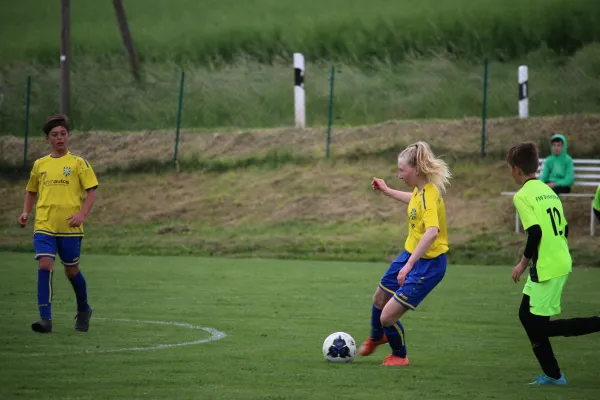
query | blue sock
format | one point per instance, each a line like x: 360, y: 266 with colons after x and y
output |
x: 395, y: 335
x: 376, y: 328
x: 44, y: 293
x: 80, y: 288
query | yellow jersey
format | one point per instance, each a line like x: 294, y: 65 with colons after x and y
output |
x: 426, y: 209
x: 60, y: 183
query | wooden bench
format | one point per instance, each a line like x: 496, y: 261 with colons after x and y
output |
x: 587, y: 173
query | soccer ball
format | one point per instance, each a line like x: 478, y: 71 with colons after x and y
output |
x: 339, y: 347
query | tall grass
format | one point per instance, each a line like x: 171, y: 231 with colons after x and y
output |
x: 351, y: 31
x: 396, y: 59
x: 247, y: 94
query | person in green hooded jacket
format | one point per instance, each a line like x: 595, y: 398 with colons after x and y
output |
x: 558, y: 166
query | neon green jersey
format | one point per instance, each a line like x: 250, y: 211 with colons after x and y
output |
x: 537, y: 204
x: 597, y: 199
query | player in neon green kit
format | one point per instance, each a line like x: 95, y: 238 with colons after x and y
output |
x: 547, y: 250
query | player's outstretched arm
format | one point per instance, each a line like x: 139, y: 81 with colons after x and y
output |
x: 379, y: 184
x: 27, y: 206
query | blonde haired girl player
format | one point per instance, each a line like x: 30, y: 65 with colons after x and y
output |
x: 422, y: 265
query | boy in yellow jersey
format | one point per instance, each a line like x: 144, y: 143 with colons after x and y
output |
x: 542, y: 216
x: 419, y: 269
x: 58, y: 181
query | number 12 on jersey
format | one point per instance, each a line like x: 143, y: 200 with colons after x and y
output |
x: 554, y: 212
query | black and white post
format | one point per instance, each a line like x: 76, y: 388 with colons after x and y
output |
x: 299, y: 99
x: 523, y: 77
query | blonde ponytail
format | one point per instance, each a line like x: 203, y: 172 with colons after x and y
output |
x: 435, y: 170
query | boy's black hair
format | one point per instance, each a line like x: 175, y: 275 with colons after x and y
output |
x: 525, y: 156
x: 54, y: 121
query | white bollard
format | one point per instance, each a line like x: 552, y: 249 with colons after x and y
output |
x: 299, y: 99
x: 523, y: 77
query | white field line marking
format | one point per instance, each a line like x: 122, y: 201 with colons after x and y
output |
x: 215, y: 334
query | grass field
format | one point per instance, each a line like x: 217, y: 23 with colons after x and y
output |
x: 396, y: 59
x: 356, y: 30
x: 465, y: 341
x: 247, y: 94
x: 269, y: 194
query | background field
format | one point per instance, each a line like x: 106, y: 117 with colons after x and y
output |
x: 355, y: 30
x: 464, y: 342
x: 247, y: 94
x: 396, y: 59
x: 273, y: 194
x: 404, y: 71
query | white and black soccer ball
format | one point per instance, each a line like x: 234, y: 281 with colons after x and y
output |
x: 339, y: 347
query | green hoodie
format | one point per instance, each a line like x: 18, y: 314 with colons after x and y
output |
x: 558, y: 168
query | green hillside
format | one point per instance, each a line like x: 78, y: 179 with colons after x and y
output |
x: 352, y: 30
x: 393, y: 60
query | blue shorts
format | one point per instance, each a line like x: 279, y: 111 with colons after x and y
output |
x: 420, y: 281
x: 68, y: 248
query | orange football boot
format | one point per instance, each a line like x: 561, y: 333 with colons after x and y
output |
x: 369, y: 345
x: 395, y: 361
